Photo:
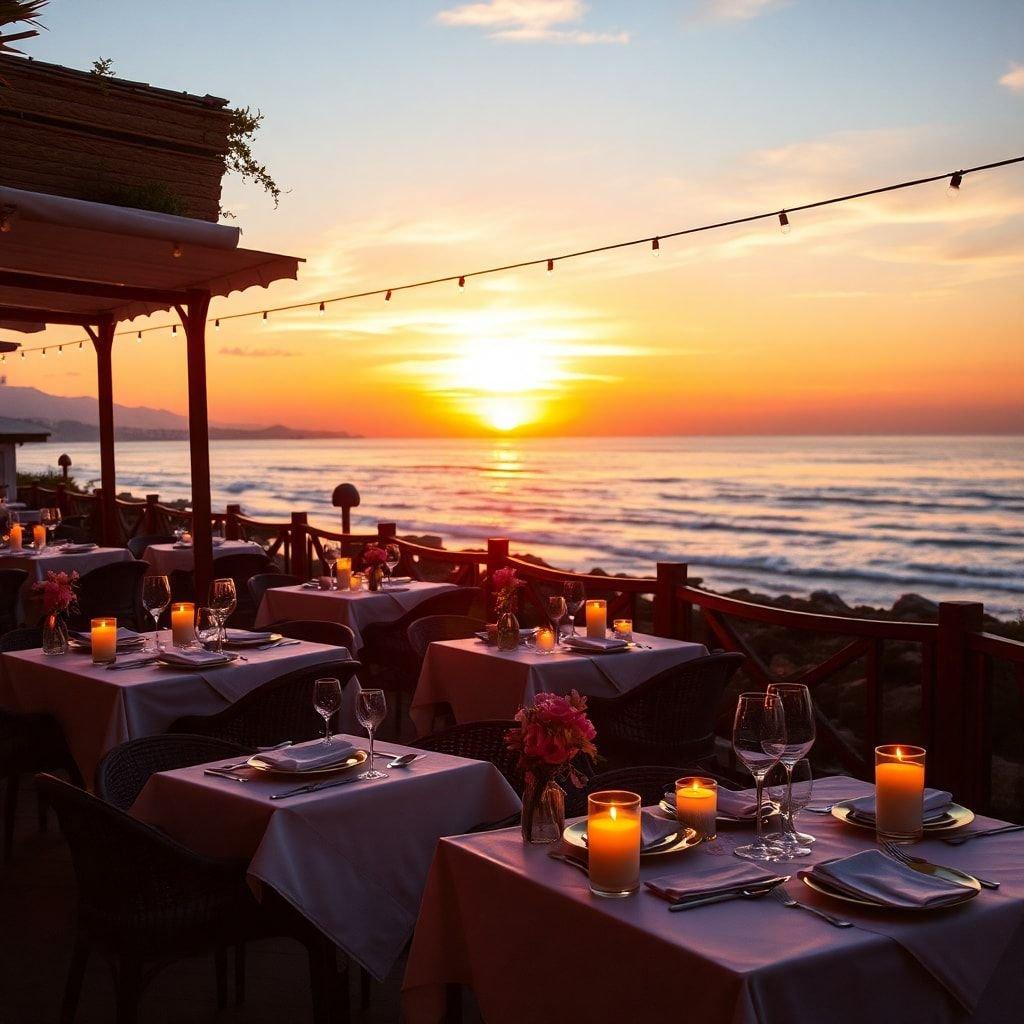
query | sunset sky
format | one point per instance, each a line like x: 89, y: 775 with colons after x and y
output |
x: 418, y: 138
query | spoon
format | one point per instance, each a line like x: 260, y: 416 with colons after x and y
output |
x: 403, y: 760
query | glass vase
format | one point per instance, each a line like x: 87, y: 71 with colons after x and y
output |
x: 55, y: 635
x: 374, y: 579
x: 543, y: 811
x: 508, y: 632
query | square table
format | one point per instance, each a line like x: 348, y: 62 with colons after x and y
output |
x: 166, y: 558
x: 526, y: 934
x: 353, y: 608
x: 479, y: 682
x: 353, y: 859
x: 99, y: 708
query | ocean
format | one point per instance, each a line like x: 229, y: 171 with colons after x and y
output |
x: 870, y: 518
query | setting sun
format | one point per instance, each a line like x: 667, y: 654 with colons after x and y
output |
x: 507, y: 413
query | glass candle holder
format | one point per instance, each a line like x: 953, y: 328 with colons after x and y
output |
x: 623, y: 629
x: 39, y: 537
x: 613, y: 842
x: 183, y: 624
x: 343, y: 573
x: 597, y: 619
x: 104, y: 640
x: 899, y: 792
x: 357, y: 581
x: 544, y: 643
x: 697, y: 804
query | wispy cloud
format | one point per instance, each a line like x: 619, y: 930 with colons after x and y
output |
x: 256, y: 353
x: 1014, y: 78
x: 531, y: 21
x: 735, y: 10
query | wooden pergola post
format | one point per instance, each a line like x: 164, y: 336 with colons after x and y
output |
x: 103, y: 341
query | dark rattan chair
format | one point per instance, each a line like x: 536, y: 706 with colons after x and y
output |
x: 137, y: 545
x: 262, y: 582
x: 125, y: 770
x: 23, y: 639
x: 480, y: 741
x: 669, y: 719
x: 316, y: 632
x: 69, y: 531
x: 11, y: 582
x: 423, y: 632
x: 145, y: 900
x: 116, y: 590
x: 279, y: 710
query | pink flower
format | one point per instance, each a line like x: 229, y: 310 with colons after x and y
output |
x: 58, y: 590
x: 505, y: 579
x: 551, y: 733
x: 374, y: 555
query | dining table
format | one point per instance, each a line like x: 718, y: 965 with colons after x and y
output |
x: 526, y: 934
x: 99, y: 708
x: 164, y: 559
x: 353, y: 608
x: 353, y: 858
x: 479, y: 682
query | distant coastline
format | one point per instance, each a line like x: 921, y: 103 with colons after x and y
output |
x: 72, y: 430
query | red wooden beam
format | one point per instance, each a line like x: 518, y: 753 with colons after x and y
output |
x: 103, y: 342
x: 96, y: 289
x: 27, y: 315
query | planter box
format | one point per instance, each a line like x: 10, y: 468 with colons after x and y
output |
x: 71, y: 133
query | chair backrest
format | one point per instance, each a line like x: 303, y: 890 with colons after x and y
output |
x: 126, y: 769
x: 649, y: 781
x: 183, y: 585
x: 279, y: 710
x: 670, y: 718
x: 423, y: 632
x: 114, y: 589
x: 138, y: 544
x: 317, y: 632
x: 262, y: 582
x: 68, y: 531
x: 480, y: 741
x: 24, y: 639
x: 11, y: 582
x: 241, y: 568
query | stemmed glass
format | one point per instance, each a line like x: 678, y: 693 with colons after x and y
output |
x: 798, y: 712
x: 557, y: 611
x: 55, y: 520
x: 223, y: 600
x: 792, y: 794
x: 371, y: 707
x: 758, y: 737
x: 575, y: 595
x: 327, y: 700
x: 156, y: 596
x: 394, y: 556
x: 208, y: 629
x: 179, y: 532
x: 44, y: 519
x: 328, y: 558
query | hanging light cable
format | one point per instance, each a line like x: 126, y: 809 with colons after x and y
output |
x: 784, y: 222
x: 954, y: 184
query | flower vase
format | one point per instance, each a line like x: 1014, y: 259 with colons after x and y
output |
x: 543, y: 811
x: 374, y: 579
x: 55, y: 635
x: 508, y: 632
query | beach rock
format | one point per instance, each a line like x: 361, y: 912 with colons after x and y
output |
x: 915, y: 608
x: 828, y: 602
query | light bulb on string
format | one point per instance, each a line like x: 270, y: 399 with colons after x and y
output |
x: 216, y: 324
x: 81, y: 344
x: 176, y: 251
x: 462, y: 284
x: 656, y: 246
x: 22, y: 353
x: 954, y: 184
x: 321, y: 309
x: 551, y: 266
x: 174, y: 329
x: 265, y: 318
x: 138, y: 337
x: 784, y: 222
x: 387, y: 295
x: 44, y: 353
x: 60, y: 350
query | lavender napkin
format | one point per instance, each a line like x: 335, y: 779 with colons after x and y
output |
x: 654, y: 828
x: 246, y: 635
x: 308, y: 756
x: 936, y: 802
x: 734, y: 876
x: 872, y: 875
x: 591, y: 643
x: 194, y: 658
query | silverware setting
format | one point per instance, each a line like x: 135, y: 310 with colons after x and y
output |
x: 398, y: 760
x: 278, y: 643
x: 787, y: 901
x: 926, y: 866
x: 313, y: 787
x: 961, y: 839
x: 733, y: 892
x: 564, y: 858
x: 825, y: 809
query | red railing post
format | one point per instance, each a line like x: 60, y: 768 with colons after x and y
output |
x: 497, y: 556
x: 299, y: 563
x: 151, y: 518
x: 953, y: 707
x: 667, y: 609
x: 386, y: 533
x: 231, y: 530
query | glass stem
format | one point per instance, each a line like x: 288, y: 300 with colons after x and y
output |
x: 327, y: 729
x: 759, y: 838
x: 790, y: 827
x: 370, y: 731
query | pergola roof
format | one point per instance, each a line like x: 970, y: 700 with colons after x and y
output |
x: 76, y: 261
x: 21, y: 430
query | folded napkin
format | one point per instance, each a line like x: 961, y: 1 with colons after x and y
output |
x: 936, y: 803
x: 740, y: 804
x: 133, y: 661
x: 591, y: 643
x: 308, y: 756
x: 79, y: 549
x: 193, y: 657
x: 245, y: 635
x: 401, y: 579
x: 654, y: 828
x: 872, y: 875
x: 124, y: 636
x: 734, y: 876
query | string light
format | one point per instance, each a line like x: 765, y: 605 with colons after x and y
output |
x: 44, y: 353
x: 387, y: 295
x: 784, y: 222
x: 174, y: 329
x: 176, y: 251
x: 138, y: 338
x: 60, y: 350
x: 462, y: 284
x: 321, y: 309
x: 551, y: 265
x: 22, y: 353
x: 655, y: 246
x: 216, y: 325
x: 954, y: 184
x: 264, y: 318
x: 81, y: 344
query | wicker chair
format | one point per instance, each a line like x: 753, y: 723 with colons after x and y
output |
x: 11, y: 582
x: 23, y: 639
x: 70, y: 532
x: 125, y: 770
x: 145, y: 900
x: 259, y: 584
x: 479, y: 741
x: 316, y: 632
x: 114, y: 589
x: 279, y: 710
x: 138, y: 545
x: 669, y: 719
x: 423, y: 632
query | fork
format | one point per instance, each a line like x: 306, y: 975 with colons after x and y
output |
x: 787, y: 901
x: 905, y: 858
x: 960, y: 840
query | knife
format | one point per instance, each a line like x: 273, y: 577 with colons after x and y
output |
x: 313, y: 787
x: 748, y: 892
x: 728, y: 890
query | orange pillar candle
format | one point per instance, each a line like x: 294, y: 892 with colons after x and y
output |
x: 39, y: 537
x: 183, y: 624
x: 613, y: 842
x: 14, y: 537
x: 597, y: 619
x: 343, y: 571
x: 899, y: 792
x: 356, y: 582
x: 545, y: 641
x: 104, y: 640
x: 697, y: 804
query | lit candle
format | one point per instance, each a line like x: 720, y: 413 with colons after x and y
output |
x: 186, y: 538
x: 357, y: 581
x: 613, y: 842
x: 343, y: 570
x: 697, y: 804
x: 545, y: 641
x: 104, y: 640
x: 597, y: 619
x: 623, y: 629
x: 14, y: 538
x: 899, y: 791
x: 39, y: 537
x: 183, y: 624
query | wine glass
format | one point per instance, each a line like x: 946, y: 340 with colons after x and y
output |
x: 394, y: 556
x: 758, y: 737
x: 792, y: 793
x: 328, y: 556
x: 327, y: 700
x: 179, y: 532
x: 46, y: 520
x: 208, y: 629
x: 156, y: 596
x: 371, y: 707
x: 798, y: 712
x: 557, y: 611
x: 223, y: 600
x: 575, y: 595
x: 56, y: 518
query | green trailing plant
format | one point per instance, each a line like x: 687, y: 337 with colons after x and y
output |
x: 240, y: 159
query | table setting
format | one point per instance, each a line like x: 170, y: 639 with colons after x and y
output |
x: 179, y: 555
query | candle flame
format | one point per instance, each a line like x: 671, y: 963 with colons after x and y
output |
x: 899, y: 754
x: 613, y: 813
x: 695, y: 786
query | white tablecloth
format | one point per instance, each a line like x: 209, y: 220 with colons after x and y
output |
x: 480, y: 682
x: 352, y: 859
x: 166, y: 558
x: 353, y: 608
x: 99, y: 708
